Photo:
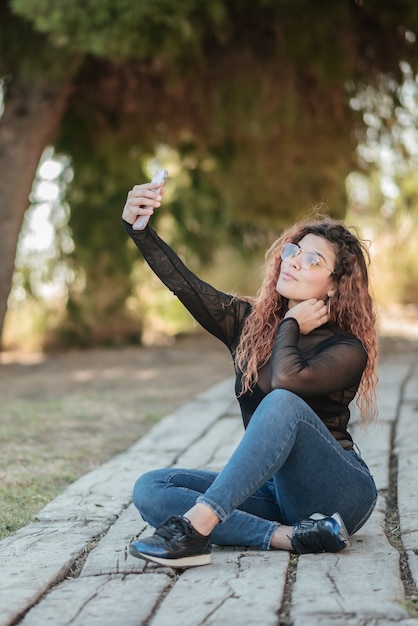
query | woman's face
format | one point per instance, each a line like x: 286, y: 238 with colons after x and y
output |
x: 297, y: 284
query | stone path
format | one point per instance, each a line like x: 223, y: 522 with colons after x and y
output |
x: 71, y: 567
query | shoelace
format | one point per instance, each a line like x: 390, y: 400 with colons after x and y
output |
x: 173, y: 526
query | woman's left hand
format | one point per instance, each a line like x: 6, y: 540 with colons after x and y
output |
x: 309, y: 314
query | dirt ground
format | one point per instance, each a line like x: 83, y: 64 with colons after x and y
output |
x: 167, y: 375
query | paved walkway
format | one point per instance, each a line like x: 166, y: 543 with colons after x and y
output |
x: 71, y: 567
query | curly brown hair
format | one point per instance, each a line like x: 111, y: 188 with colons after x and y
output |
x: 352, y: 308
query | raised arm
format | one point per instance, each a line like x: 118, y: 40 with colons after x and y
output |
x: 219, y: 313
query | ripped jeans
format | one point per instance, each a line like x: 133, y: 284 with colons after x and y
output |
x: 286, y: 467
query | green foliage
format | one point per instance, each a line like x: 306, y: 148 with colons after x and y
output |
x: 119, y: 29
x: 249, y: 99
x: 30, y: 54
x: 100, y: 260
x: 336, y: 39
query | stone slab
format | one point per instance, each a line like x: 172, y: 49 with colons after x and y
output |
x: 407, y: 453
x: 393, y: 372
x: 242, y: 588
x: 356, y: 586
x: 111, y: 556
x: 374, y: 445
x: 214, y: 450
x: 362, y: 585
x: 34, y: 559
x: 101, y: 601
x: 178, y: 430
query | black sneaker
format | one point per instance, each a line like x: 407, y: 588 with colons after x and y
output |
x: 175, y: 543
x: 320, y: 534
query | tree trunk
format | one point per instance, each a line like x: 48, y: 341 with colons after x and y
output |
x: 29, y: 123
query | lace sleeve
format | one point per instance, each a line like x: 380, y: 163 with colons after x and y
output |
x: 219, y: 313
x: 323, y: 366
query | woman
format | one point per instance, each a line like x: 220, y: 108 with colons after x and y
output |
x: 301, y: 350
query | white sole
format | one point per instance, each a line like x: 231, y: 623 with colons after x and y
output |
x: 187, y: 561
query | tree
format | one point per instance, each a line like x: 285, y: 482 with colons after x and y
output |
x: 237, y: 78
x: 36, y: 93
x: 38, y: 67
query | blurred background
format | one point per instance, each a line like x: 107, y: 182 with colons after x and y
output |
x: 260, y: 111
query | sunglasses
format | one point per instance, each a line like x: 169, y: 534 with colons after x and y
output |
x: 308, y: 258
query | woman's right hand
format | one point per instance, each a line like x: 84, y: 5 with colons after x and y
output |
x: 142, y: 200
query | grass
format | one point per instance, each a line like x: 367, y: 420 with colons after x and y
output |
x: 61, y: 416
x: 22, y: 497
x: 47, y: 443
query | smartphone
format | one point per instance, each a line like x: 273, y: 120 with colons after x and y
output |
x: 142, y: 220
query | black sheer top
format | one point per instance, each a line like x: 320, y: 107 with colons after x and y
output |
x: 324, y: 368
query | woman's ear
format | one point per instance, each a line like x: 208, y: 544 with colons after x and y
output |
x: 331, y: 292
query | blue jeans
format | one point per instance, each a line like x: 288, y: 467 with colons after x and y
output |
x: 286, y: 467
